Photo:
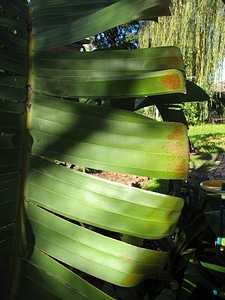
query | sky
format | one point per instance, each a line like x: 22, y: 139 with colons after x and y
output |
x: 223, y: 74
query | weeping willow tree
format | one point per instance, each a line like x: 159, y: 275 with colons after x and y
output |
x: 197, y: 28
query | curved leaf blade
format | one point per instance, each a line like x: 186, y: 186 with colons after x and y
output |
x: 155, y: 149
x: 134, y: 73
x: 134, y: 85
x: 104, y: 204
x: 119, y: 12
x: 69, y: 64
x: 64, y: 283
x: 194, y: 93
x: 93, y: 253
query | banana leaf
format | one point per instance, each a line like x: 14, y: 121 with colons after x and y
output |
x: 97, y: 74
x: 165, y: 103
x: 91, y: 252
x: 88, y: 22
x: 166, y: 143
x: 43, y: 243
x: 55, y: 281
x: 194, y: 93
x: 115, y: 205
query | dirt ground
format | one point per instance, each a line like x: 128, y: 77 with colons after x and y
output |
x: 127, y: 179
x: 195, y: 177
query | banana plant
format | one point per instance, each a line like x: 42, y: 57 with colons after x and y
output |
x: 46, y: 210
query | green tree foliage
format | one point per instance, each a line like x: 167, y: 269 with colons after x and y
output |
x: 197, y: 28
x: 122, y: 36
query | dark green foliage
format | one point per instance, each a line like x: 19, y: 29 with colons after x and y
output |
x: 122, y: 36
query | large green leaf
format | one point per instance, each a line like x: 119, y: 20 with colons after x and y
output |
x: 96, y: 137
x: 91, y: 252
x: 36, y: 237
x: 166, y: 103
x: 75, y: 64
x: 55, y: 281
x: 86, y: 22
x: 13, y: 64
x: 12, y: 120
x: 97, y: 74
x: 154, y: 83
x: 194, y: 93
x: 13, y: 87
x: 118, y: 208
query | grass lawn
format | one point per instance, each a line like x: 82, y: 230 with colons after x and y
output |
x: 207, y: 141
x: 208, y: 138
